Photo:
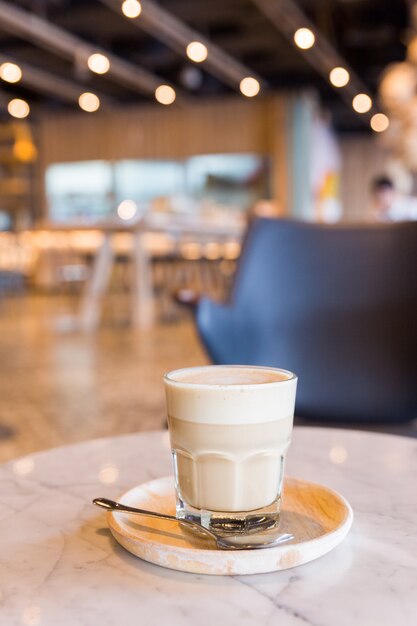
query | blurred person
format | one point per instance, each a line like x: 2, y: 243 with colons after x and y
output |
x: 388, y: 205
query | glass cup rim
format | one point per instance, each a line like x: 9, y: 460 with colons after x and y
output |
x: 169, y: 380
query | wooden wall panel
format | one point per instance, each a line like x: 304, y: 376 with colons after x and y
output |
x: 154, y: 132
x: 363, y: 158
x: 231, y: 125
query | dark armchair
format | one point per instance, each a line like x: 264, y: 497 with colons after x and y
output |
x: 335, y: 304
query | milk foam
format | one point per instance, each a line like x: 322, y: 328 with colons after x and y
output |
x: 222, y: 375
x: 230, y: 394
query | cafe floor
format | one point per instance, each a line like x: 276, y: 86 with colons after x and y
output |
x: 59, y: 386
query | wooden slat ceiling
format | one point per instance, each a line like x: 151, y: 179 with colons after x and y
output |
x: 369, y: 34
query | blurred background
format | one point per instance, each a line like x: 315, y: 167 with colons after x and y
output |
x: 137, y: 142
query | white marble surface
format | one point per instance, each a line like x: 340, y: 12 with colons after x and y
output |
x: 59, y: 564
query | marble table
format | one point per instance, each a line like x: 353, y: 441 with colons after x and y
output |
x: 60, y: 565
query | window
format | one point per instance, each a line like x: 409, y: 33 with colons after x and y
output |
x: 91, y: 190
x: 79, y: 191
x: 234, y: 180
x: 144, y: 181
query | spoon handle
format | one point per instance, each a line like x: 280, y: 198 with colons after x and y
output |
x: 112, y: 505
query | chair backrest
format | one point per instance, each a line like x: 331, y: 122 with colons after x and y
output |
x: 338, y: 306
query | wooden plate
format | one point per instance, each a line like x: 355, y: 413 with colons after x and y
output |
x: 318, y: 517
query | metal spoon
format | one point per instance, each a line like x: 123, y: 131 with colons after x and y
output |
x: 222, y: 542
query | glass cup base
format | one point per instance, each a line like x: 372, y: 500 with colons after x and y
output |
x: 233, y: 523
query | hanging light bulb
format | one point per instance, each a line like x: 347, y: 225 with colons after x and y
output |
x: 339, y: 77
x: 98, y: 63
x: 131, y: 8
x: 362, y: 103
x: 89, y: 102
x: 10, y: 72
x: 379, y: 122
x: 197, y: 51
x: 18, y: 108
x: 249, y: 86
x: 165, y: 94
x: 304, y: 38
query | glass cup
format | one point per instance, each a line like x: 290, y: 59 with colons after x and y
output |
x: 230, y: 428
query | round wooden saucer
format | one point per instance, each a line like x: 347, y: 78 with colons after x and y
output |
x: 318, y: 517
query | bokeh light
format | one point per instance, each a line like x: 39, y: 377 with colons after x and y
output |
x: 338, y: 455
x: 131, y: 8
x: 379, y: 122
x: 362, y: 103
x: 108, y: 474
x: 98, y: 63
x: 304, y: 38
x: 339, y: 77
x: 249, y: 86
x: 127, y: 209
x: 18, y: 108
x: 10, y: 72
x: 23, y: 466
x: 165, y: 94
x: 197, y: 51
x: 89, y: 102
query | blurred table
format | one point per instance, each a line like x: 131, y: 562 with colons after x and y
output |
x: 59, y: 564
x: 97, y: 283
x: 141, y: 241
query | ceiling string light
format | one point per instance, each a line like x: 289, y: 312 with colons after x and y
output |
x: 249, y: 86
x: 339, y: 77
x: 89, y: 102
x: 131, y: 8
x: 18, y: 108
x: 10, y: 72
x: 165, y: 94
x: 304, y: 38
x: 362, y: 103
x: 98, y: 63
x: 197, y: 51
x: 379, y: 122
